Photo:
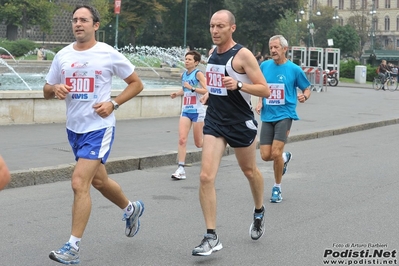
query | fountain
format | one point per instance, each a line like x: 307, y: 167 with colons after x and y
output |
x: 13, y: 70
x: 159, y: 68
x: 164, y: 63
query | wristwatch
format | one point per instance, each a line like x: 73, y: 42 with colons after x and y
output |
x: 239, y: 85
x: 116, y: 105
x: 193, y: 89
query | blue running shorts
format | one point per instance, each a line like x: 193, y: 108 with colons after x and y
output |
x: 93, y: 145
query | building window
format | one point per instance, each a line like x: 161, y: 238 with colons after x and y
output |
x: 387, y: 3
x: 397, y: 42
x: 386, y: 42
x: 397, y: 23
x: 329, y: 3
x: 364, y: 4
x: 387, y: 23
x: 353, y: 5
x: 341, y: 4
x: 377, y: 4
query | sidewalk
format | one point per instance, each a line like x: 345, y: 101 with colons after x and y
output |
x: 40, y: 153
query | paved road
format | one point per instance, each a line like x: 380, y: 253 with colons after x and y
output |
x: 40, y: 153
x: 338, y: 190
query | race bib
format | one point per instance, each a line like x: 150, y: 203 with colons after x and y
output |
x: 82, y: 83
x: 277, y: 94
x: 189, y: 100
x: 214, y: 80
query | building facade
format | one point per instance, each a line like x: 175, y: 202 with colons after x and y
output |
x: 380, y: 16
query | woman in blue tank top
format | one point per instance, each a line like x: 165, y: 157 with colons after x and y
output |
x: 193, y: 111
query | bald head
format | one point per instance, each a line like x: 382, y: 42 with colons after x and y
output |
x: 224, y: 12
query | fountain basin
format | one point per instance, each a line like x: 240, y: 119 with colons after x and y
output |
x: 42, y: 67
x: 27, y: 107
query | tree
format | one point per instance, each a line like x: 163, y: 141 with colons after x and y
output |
x: 169, y: 30
x: 345, y: 38
x: 135, y: 15
x: 257, y: 20
x: 199, y: 15
x: 292, y: 27
x: 359, y: 21
x: 25, y: 13
x: 322, y: 24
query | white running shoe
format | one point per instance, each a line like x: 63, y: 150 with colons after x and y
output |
x: 180, y: 174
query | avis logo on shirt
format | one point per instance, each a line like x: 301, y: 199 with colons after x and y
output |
x: 80, y: 96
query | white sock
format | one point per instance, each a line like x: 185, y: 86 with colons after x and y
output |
x: 285, y: 157
x: 277, y: 185
x: 181, y: 164
x: 129, y: 209
x: 75, y: 242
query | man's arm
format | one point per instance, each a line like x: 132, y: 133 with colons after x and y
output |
x: 245, y: 62
x: 57, y: 90
x: 5, y: 175
x: 134, y: 87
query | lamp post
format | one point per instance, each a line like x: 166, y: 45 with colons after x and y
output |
x: 311, y: 25
x: 117, y: 10
x: 297, y: 20
x: 336, y: 17
x: 185, y: 26
x: 372, y: 32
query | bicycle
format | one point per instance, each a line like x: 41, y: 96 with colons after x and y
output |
x: 391, y: 83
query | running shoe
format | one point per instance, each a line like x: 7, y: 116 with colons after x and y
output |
x: 258, y: 225
x: 209, y: 244
x: 66, y: 255
x: 289, y: 157
x: 133, y: 222
x: 276, y: 195
x: 180, y: 173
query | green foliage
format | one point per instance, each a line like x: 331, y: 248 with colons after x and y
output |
x: 292, y: 27
x: 256, y: 20
x: 347, y: 70
x: 371, y: 72
x: 345, y: 38
x: 17, y: 48
x: 25, y: 12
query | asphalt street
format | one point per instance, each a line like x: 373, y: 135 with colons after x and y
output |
x: 340, y: 193
x: 40, y: 153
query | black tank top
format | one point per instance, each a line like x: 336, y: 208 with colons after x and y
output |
x: 226, y: 107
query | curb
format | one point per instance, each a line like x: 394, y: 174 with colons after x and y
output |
x: 44, y: 175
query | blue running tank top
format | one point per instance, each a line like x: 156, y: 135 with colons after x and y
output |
x: 191, y: 100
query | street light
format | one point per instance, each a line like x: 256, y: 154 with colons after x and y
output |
x: 372, y: 33
x: 311, y: 25
x: 297, y: 20
x: 185, y: 26
x: 336, y: 17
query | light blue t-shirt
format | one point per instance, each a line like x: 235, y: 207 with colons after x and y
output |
x: 283, y: 81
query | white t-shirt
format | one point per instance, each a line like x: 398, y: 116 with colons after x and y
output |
x: 90, y: 74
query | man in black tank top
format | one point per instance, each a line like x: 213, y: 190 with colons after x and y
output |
x: 232, y: 76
